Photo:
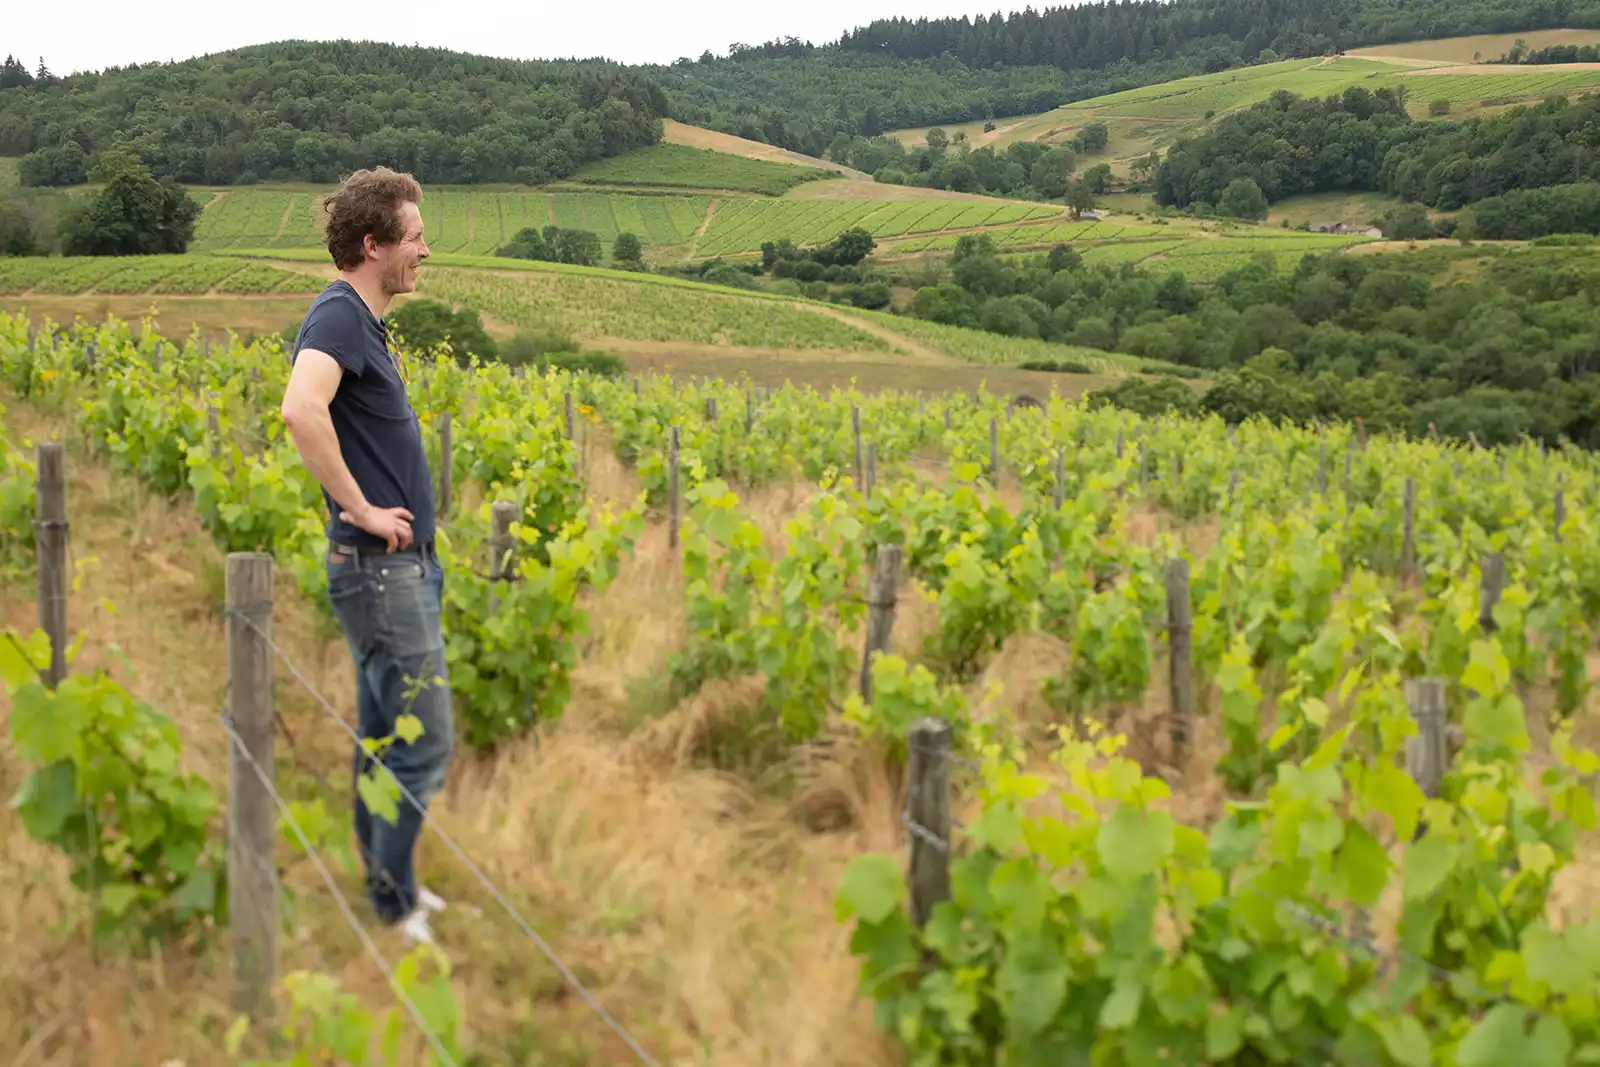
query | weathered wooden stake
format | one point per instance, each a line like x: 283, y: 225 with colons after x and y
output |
x: 50, y: 539
x: 673, y: 503
x: 872, y: 468
x: 855, y: 431
x: 501, y: 550
x: 446, y: 466
x: 947, y: 418
x: 1119, y: 442
x: 1493, y: 580
x: 1408, y: 546
x: 252, y: 812
x: 994, y: 451
x: 570, y: 437
x: 928, y: 814
x: 880, y: 610
x: 749, y: 411
x: 1560, y: 506
x: 1061, y: 479
x: 214, y: 427
x: 1181, y: 680
x: 1426, y: 753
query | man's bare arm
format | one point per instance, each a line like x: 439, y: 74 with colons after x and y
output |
x: 312, y: 383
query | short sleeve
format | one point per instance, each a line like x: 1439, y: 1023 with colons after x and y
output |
x: 334, y: 327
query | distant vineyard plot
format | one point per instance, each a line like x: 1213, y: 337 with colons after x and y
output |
x: 456, y: 218
x: 743, y: 225
x: 1489, y: 85
x: 132, y: 275
x: 680, y: 166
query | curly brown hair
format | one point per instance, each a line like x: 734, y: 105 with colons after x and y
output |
x: 368, y: 201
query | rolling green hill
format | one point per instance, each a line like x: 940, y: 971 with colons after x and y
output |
x: 680, y: 166
x: 1151, y: 117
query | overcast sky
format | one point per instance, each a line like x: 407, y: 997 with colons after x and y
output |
x: 94, y: 34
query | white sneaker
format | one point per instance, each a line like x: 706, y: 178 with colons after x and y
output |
x: 416, y: 930
x: 429, y: 901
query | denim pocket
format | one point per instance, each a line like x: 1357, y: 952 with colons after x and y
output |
x: 408, y: 608
x: 350, y: 593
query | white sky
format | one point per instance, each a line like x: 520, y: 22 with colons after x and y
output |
x: 94, y: 34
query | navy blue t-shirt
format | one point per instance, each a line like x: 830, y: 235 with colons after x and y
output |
x: 379, y: 435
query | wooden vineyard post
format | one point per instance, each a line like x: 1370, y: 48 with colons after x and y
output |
x: 1181, y: 680
x: 672, y: 487
x: 994, y: 451
x: 501, y: 514
x: 1061, y: 479
x: 1408, y: 545
x: 855, y: 432
x: 1119, y: 443
x: 214, y: 427
x: 1426, y: 753
x: 1493, y: 580
x: 252, y: 811
x: 880, y: 610
x: 50, y: 538
x: 569, y: 415
x: 749, y: 412
x: 446, y: 467
x: 928, y: 815
x: 947, y: 419
x: 1559, y: 505
x: 872, y: 469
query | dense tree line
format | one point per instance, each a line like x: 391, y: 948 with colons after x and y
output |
x: 1365, y: 141
x: 1514, y: 349
x: 312, y: 111
x: 1103, y: 34
x: 1556, y: 53
x: 1028, y: 169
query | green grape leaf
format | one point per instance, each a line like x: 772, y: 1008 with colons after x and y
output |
x: 1427, y: 864
x: 870, y: 889
x: 382, y: 802
x: 408, y: 728
x: 1031, y: 984
x: 1132, y: 844
x: 1500, y: 1038
x: 1362, y: 866
x: 1406, y: 1041
x: 46, y: 799
x: 1121, y: 1009
x: 1224, y: 1035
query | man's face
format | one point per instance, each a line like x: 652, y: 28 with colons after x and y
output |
x: 399, y: 261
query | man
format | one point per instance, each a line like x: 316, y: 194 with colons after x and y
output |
x: 347, y: 411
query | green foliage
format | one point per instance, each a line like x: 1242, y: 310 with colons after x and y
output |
x: 1149, y: 397
x: 327, y: 1024
x: 627, y: 249
x: 105, y: 787
x: 511, y: 646
x: 553, y: 245
x: 131, y: 214
x: 17, y: 509
x: 422, y: 325
x: 304, y: 111
x: 901, y: 695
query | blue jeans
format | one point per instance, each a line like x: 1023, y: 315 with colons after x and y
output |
x: 389, y: 608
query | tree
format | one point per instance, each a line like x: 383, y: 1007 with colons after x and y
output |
x: 1243, y: 199
x: 628, y: 249
x: 1080, y: 197
x: 1098, y: 178
x: 133, y: 214
x: 1093, y: 137
x: 19, y: 230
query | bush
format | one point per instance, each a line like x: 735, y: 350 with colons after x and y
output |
x: 533, y: 344
x: 425, y: 324
x: 870, y: 295
x: 731, y: 276
x: 1148, y: 397
x: 1056, y: 366
x: 592, y: 361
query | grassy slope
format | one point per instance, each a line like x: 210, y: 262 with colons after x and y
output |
x: 1151, y: 117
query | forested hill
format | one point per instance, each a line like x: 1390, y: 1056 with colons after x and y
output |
x: 1142, y: 30
x: 308, y: 111
x: 899, y: 73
